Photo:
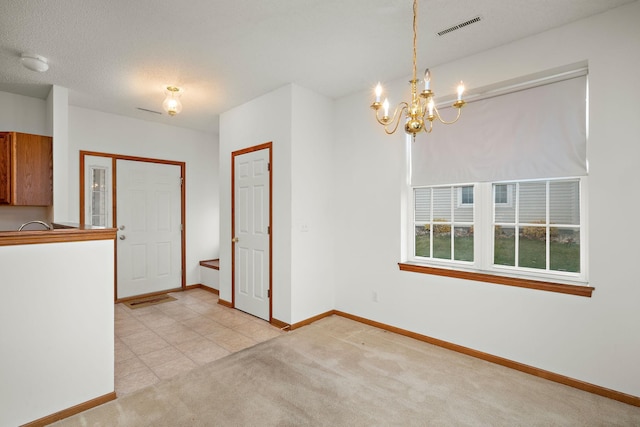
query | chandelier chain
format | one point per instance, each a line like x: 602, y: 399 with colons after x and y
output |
x: 415, y: 37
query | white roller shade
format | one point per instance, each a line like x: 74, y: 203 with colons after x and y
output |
x: 538, y: 132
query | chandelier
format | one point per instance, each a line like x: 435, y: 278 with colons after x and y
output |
x: 421, y: 111
x: 171, y: 103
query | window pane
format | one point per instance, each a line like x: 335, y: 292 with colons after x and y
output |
x: 564, y: 249
x: 422, y: 202
x: 533, y: 247
x: 504, y: 246
x: 463, y: 243
x: 533, y: 202
x: 98, y: 220
x: 467, y: 195
x: 442, y: 241
x: 505, y: 212
x: 442, y: 204
x: 500, y: 193
x: 98, y: 176
x: 564, y: 202
x: 463, y: 212
x: 98, y: 203
x: 423, y: 241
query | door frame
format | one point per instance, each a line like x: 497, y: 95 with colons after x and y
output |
x: 269, y: 146
x: 114, y: 158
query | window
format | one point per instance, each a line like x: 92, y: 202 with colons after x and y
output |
x: 513, y: 206
x: 443, y: 228
x: 465, y: 195
x: 502, y: 194
x: 542, y: 229
x: 98, y: 212
x: 530, y: 227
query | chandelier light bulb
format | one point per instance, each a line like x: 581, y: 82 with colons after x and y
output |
x: 460, y: 91
x: 378, y: 92
x: 427, y: 80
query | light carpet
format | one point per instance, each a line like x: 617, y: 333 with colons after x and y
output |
x: 337, y: 372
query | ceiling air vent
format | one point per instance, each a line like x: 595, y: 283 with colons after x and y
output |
x: 458, y: 26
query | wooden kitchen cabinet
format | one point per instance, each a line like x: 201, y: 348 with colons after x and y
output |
x: 26, y: 169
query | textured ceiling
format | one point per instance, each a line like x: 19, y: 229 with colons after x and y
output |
x: 116, y: 56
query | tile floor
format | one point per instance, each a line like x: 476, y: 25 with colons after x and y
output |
x: 160, y: 341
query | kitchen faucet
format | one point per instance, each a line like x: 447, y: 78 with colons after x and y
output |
x: 49, y: 227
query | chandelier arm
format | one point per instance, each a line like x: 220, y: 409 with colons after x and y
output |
x: 396, y: 117
x: 441, y: 120
x: 399, y: 109
x: 430, y: 127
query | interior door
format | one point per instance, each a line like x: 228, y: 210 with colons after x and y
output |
x: 251, y: 241
x: 148, y: 212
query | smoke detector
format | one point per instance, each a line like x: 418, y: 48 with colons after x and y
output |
x: 35, y: 62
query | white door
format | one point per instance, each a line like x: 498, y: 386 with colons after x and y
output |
x: 251, y: 233
x: 148, y: 212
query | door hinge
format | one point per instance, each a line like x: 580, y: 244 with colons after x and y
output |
x: 269, y: 166
x: 181, y: 227
x: 268, y: 229
x: 181, y: 181
x: 268, y: 293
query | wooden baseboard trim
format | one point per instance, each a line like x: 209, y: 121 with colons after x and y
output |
x: 66, y: 413
x: 551, y: 376
x: 225, y: 303
x: 313, y: 319
x: 201, y: 286
x: 280, y: 324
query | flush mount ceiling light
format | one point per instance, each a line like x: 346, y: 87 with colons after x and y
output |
x: 171, y: 103
x: 421, y: 107
x: 35, y: 62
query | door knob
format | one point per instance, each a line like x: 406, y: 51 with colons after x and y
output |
x: 122, y: 237
x: 235, y: 240
x: 121, y: 227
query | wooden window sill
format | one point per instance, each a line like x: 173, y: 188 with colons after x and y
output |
x: 583, y: 291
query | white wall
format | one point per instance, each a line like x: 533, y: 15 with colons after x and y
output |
x: 265, y: 119
x: 23, y: 114
x: 298, y: 122
x: 28, y: 115
x: 56, y: 324
x: 58, y: 120
x: 312, y: 210
x: 91, y: 130
x: 590, y: 339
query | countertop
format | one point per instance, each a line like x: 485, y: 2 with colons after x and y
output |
x: 62, y: 232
